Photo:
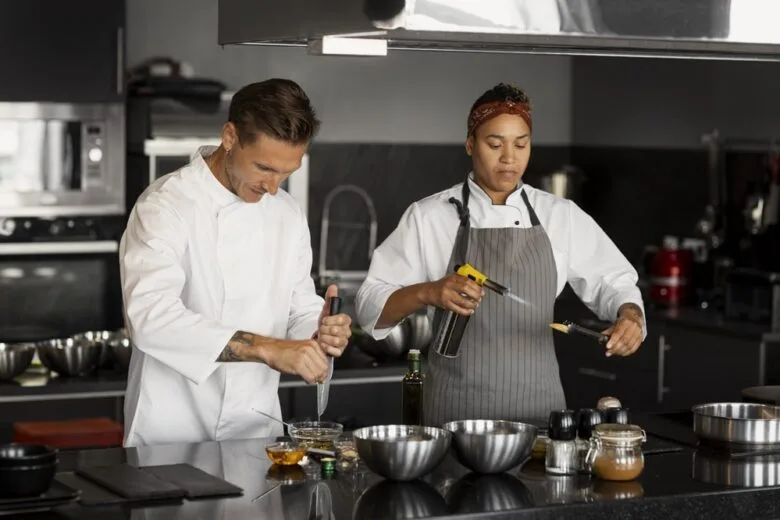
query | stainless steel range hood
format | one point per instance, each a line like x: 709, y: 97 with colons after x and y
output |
x: 709, y: 29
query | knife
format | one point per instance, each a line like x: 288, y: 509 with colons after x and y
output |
x: 323, y: 389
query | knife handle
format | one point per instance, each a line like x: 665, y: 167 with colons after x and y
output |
x: 598, y: 336
x: 335, y: 305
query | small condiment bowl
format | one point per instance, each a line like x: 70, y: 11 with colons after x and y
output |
x: 285, y: 453
x: 315, y: 434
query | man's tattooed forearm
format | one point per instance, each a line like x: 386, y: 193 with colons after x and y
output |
x: 236, y: 347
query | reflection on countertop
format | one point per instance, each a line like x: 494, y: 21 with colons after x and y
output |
x: 668, y: 489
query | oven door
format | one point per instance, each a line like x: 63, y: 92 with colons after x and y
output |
x: 56, y: 289
x: 61, y: 159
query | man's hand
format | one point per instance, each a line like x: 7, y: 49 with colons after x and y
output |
x: 625, y: 335
x: 454, y: 293
x: 334, y: 331
x: 300, y: 358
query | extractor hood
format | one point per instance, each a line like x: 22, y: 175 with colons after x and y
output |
x: 709, y: 29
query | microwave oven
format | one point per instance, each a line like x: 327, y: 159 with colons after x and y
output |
x: 62, y: 159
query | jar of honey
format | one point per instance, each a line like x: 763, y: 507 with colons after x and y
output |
x: 615, y: 451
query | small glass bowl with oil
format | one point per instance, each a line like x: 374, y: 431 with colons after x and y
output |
x: 285, y: 453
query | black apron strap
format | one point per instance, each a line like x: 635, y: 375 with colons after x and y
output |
x: 462, y: 238
x: 531, y: 212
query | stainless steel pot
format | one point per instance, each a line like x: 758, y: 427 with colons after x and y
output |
x: 737, y: 423
x: 566, y: 182
x: 420, y: 332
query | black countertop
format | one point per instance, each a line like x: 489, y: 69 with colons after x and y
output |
x: 674, y: 485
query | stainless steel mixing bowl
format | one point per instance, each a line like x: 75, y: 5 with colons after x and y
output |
x: 70, y: 357
x: 102, y: 338
x: 15, y: 358
x: 486, y: 446
x: 400, y: 452
x: 121, y: 348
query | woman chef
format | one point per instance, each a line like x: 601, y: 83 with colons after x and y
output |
x: 216, y: 279
x: 525, y: 239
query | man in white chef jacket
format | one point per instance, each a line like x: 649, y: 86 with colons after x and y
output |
x: 215, y: 265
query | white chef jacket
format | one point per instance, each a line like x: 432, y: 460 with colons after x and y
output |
x: 419, y: 250
x: 197, y: 264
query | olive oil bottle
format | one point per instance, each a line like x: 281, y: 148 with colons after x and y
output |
x: 412, y: 393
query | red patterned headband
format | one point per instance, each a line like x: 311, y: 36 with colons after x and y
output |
x: 495, y: 108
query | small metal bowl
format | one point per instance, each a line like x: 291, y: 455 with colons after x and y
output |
x: 70, y: 357
x: 15, y: 358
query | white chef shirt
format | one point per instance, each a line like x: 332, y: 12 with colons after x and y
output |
x: 419, y: 250
x: 197, y: 264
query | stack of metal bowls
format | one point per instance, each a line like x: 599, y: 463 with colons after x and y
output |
x: 402, y: 452
x: 486, y: 446
x: 69, y: 356
x: 15, y: 358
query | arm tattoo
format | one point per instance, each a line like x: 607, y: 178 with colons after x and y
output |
x: 236, y: 349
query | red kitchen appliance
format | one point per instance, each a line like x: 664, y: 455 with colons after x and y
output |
x: 670, y: 273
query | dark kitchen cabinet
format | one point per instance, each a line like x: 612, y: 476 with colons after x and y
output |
x: 354, y: 405
x: 588, y: 375
x: 701, y: 366
x: 59, y: 51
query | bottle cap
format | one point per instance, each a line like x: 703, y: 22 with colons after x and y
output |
x: 562, y: 425
x: 328, y: 464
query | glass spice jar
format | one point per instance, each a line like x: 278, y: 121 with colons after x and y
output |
x: 615, y: 451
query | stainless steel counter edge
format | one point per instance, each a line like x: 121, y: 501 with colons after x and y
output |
x: 111, y: 389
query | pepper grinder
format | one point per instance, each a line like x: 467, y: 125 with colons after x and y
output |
x: 561, y: 458
x: 589, y: 418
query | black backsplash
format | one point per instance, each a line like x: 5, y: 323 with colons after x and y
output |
x: 636, y: 195
x: 393, y: 176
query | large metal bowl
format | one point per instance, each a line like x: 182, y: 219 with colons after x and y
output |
x: 400, y: 452
x: 737, y: 423
x: 486, y: 446
x: 70, y: 357
x: 15, y: 358
x: 121, y: 348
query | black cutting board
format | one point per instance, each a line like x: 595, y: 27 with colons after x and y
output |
x: 130, y: 482
x: 196, y: 483
x: 93, y: 495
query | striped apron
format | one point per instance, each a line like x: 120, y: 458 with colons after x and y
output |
x: 506, y: 367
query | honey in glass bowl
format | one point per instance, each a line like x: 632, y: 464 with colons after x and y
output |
x: 285, y: 453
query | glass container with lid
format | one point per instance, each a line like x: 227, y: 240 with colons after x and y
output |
x: 615, y: 451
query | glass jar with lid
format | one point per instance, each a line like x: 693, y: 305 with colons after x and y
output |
x: 615, y: 451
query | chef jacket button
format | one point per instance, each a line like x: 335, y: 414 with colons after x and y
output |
x: 517, y: 222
